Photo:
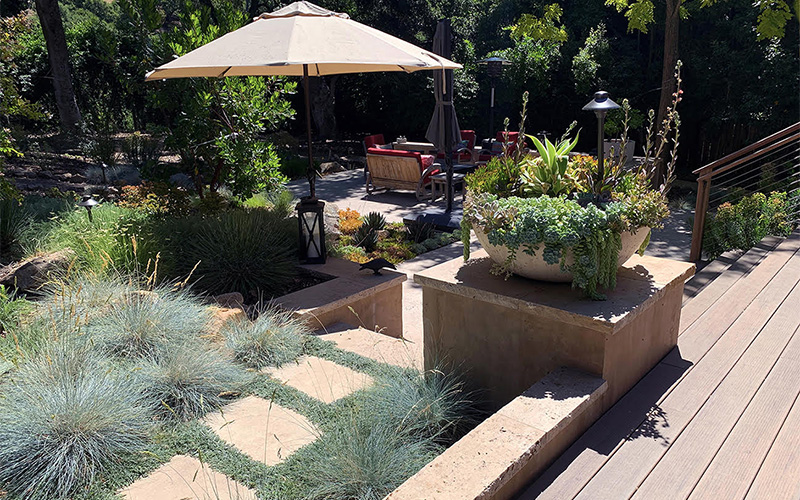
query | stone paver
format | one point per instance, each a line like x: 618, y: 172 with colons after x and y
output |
x: 321, y: 379
x: 374, y: 345
x: 186, y: 478
x: 261, y: 429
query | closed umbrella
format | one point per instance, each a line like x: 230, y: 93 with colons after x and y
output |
x: 443, y: 131
x: 302, y: 39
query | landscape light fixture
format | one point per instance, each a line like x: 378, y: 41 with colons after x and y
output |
x: 601, y: 105
x: 494, y: 67
x: 88, y: 202
x: 311, y: 220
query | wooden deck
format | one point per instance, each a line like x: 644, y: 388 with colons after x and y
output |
x: 718, y: 417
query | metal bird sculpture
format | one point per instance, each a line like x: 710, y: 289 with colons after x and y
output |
x: 376, y: 265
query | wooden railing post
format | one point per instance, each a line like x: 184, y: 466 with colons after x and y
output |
x: 700, y: 209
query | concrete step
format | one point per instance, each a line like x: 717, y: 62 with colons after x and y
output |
x: 374, y: 345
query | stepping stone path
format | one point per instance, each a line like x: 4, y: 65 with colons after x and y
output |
x: 373, y: 345
x: 186, y: 478
x: 261, y: 429
x: 320, y: 378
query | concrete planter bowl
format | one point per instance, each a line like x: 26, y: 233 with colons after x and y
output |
x: 534, y: 266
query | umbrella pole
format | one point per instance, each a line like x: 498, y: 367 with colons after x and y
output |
x: 311, y: 174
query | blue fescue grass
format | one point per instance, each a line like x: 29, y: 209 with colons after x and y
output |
x: 189, y: 379
x: 273, y: 339
x: 65, y: 417
x: 140, y: 324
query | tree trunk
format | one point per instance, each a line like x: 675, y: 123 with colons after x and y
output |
x: 671, y: 26
x: 53, y: 30
x: 323, y: 102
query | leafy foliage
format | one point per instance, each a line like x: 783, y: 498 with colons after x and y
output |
x: 742, y: 225
x: 375, y: 221
x: 217, y: 124
x: 547, y: 175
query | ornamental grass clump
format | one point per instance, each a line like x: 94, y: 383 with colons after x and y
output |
x: 565, y: 208
x: 247, y: 251
x: 365, y: 459
x: 429, y: 405
x: 65, y: 418
x: 189, y: 379
x: 273, y: 339
x: 145, y: 323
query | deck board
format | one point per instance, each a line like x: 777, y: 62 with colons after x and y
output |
x: 779, y: 475
x: 701, y: 303
x: 692, y: 413
x: 682, y: 466
x: 735, y: 465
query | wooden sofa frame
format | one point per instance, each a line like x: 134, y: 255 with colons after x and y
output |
x: 398, y: 172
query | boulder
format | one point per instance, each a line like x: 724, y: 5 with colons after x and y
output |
x: 30, y: 274
x: 219, y: 317
x: 330, y: 167
x: 230, y: 300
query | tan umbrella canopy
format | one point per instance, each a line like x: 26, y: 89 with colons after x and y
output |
x: 302, y: 39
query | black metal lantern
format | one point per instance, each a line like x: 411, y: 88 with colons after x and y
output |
x: 601, y: 105
x: 311, y: 220
x: 494, y: 67
x: 89, y: 203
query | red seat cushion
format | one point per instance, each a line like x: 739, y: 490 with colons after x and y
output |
x: 373, y: 140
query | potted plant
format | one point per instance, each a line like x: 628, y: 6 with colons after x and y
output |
x: 558, y: 217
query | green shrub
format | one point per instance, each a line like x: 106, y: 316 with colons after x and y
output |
x: 247, y: 251
x: 419, y: 231
x: 742, y: 225
x: 65, y: 418
x: 145, y: 323
x: 188, y: 379
x: 273, y: 339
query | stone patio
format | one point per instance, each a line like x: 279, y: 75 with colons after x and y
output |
x: 185, y: 477
x: 261, y: 429
x: 320, y: 378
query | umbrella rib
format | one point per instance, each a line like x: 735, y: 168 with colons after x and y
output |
x: 225, y: 72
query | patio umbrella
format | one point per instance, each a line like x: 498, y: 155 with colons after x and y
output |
x: 302, y: 39
x: 443, y: 131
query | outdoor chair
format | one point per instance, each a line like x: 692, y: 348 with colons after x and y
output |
x: 497, y: 145
x: 393, y: 169
x: 464, y: 149
x: 372, y: 141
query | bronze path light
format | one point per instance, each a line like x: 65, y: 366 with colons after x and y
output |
x: 601, y: 105
x: 88, y: 202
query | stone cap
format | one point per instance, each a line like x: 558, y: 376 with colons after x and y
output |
x: 348, y: 284
x: 640, y: 281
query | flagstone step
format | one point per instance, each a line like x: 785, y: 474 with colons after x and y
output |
x: 185, y: 477
x: 261, y: 429
x: 321, y: 378
x: 373, y: 345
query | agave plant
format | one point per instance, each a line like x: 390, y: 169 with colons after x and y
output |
x: 375, y: 221
x: 547, y: 175
x: 366, y: 237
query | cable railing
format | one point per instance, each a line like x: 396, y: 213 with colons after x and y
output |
x: 771, y: 164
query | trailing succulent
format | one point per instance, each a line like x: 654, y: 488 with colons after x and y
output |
x: 567, y: 208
